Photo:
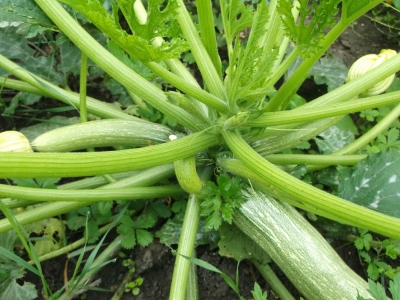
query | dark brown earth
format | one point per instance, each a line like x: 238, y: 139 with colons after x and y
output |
x: 155, y: 263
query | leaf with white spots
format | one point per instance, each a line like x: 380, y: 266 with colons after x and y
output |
x: 336, y: 137
x: 374, y: 183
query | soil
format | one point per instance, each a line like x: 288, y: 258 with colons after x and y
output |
x: 155, y: 263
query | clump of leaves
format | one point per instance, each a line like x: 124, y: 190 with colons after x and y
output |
x: 134, y: 230
x: 91, y: 217
x: 383, y: 250
x: 378, y: 292
x: 220, y: 200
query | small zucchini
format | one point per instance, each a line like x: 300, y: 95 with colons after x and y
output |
x: 185, y: 171
x: 101, y: 133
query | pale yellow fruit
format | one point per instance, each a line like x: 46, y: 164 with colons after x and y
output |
x: 14, y: 141
x: 367, y: 63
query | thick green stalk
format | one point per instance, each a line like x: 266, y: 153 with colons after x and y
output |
x: 186, y: 244
x: 209, y: 74
x: 175, y: 65
x: 185, y: 247
x: 303, y: 159
x: 279, y: 181
x: 82, y: 88
x: 272, y: 279
x: 192, y: 290
x: 35, y: 165
x: 289, y: 88
x: 207, y: 32
x: 274, y: 140
x: 47, y: 89
x: 320, y: 112
x: 143, y: 179
x: 366, y: 138
x: 96, y: 195
x: 189, y: 88
x: 371, y: 134
x: 96, y: 181
x: 114, y: 67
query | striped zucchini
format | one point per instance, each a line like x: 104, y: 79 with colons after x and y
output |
x: 101, y: 133
x: 297, y: 248
x: 185, y: 171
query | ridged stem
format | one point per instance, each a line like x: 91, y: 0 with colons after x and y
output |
x: 47, y: 89
x: 142, y: 179
x: 114, y: 67
x: 96, y: 195
x: 35, y: 165
x: 316, y: 113
x: 207, y: 32
x: 209, y: 74
x: 280, y: 181
x: 186, y: 244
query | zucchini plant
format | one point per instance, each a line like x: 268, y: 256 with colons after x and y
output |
x: 236, y: 121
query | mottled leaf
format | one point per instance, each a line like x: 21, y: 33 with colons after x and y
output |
x: 333, y: 139
x: 374, y: 183
x: 330, y: 71
x: 234, y: 243
x: 26, y: 15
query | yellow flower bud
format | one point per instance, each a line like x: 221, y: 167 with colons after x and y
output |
x: 367, y: 63
x: 14, y: 141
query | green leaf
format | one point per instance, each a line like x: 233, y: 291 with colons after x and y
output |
x: 170, y: 232
x: 25, y: 15
x: 331, y: 71
x: 210, y: 267
x: 257, y: 293
x: 376, y: 290
x: 363, y: 241
x: 126, y: 222
x: 105, y: 207
x: 92, y: 231
x: 160, y: 209
x: 334, y: 139
x: 10, y: 289
x: 374, y: 183
x: 144, y: 237
x: 131, y: 62
x: 392, y: 248
x: 179, y: 206
x: 249, y: 67
x: 373, y: 271
x: 354, y: 6
x: 236, y: 17
x: 70, y: 56
x: 129, y: 240
x: 308, y: 35
x: 213, y: 221
x: 394, y: 287
x: 145, y: 221
x: 32, y: 132
x: 21, y: 97
x: 234, y: 243
x: 7, y: 240
x: 138, y: 45
x: 16, y: 47
x: 76, y: 222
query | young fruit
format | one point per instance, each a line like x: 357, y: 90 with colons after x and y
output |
x: 185, y: 171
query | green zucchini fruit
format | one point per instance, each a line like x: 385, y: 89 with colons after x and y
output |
x: 101, y: 133
x: 300, y: 251
x: 185, y: 171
